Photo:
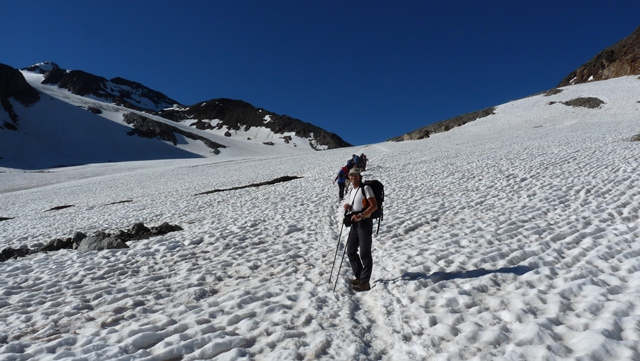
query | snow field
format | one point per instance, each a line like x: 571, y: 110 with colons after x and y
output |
x: 510, y: 238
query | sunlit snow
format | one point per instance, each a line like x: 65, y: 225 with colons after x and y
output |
x: 513, y: 237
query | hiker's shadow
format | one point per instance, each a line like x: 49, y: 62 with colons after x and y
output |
x: 445, y: 276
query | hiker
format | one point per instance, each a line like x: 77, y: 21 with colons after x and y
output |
x: 363, y: 204
x: 341, y: 178
x: 346, y: 169
x: 356, y: 160
x: 362, y: 162
x: 349, y: 164
x: 347, y: 182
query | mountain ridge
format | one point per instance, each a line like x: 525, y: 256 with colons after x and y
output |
x: 208, y: 128
x: 618, y: 60
x: 233, y: 114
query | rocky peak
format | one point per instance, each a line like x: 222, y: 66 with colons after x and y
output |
x: 239, y: 115
x: 621, y: 59
x: 42, y: 68
x: 117, y: 90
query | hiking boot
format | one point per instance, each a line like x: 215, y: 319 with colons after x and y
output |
x: 355, y: 282
x: 362, y: 286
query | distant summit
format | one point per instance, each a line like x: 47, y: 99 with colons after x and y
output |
x: 621, y: 59
x: 118, y: 91
x: 238, y: 116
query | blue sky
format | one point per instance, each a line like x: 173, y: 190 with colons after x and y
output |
x: 366, y: 70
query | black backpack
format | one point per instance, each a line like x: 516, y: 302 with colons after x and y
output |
x: 378, y: 191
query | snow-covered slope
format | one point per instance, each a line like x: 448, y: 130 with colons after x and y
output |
x: 514, y: 237
x: 237, y: 146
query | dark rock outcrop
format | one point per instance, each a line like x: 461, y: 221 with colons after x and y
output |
x: 621, y: 59
x: 98, y: 241
x: 254, y: 185
x: 588, y: 102
x: 445, y: 125
x: 553, y: 91
x: 149, y: 128
x: 13, y: 85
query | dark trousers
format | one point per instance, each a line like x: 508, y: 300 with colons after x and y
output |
x: 360, y: 237
x: 341, y: 190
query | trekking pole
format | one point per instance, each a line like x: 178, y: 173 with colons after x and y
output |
x: 341, y: 260
x: 333, y: 265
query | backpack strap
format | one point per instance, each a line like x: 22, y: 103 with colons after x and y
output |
x: 364, y: 195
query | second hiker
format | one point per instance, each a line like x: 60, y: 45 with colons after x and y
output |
x: 341, y: 178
